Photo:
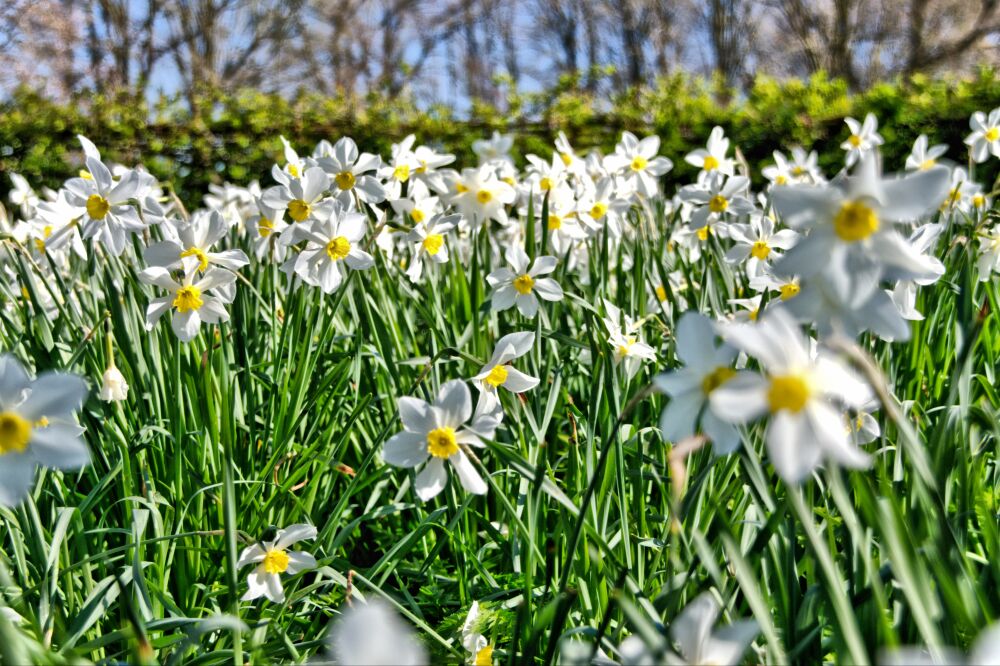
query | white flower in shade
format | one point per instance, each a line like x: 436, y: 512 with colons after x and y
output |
x: 192, y: 301
x: 189, y: 245
x: 300, y: 197
x: 713, y: 158
x: 853, y: 225
x: 562, y: 225
x: 804, y: 391
x: 498, y: 372
x: 904, y: 295
x: 716, y: 198
x: 521, y: 284
x: 699, y: 643
x: 419, y: 204
x: 989, y: 253
x: 964, y: 195
x: 922, y: 158
x: 623, y: 336
x: 265, y: 228
x: 429, y: 243
x: 22, y: 195
x: 478, y: 195
x: 479, y: 648
x: 372, y: 634
x: 758, y: 244
x: 861, y: 425
x: 707, y: 366
x: 349, y: 170
x: 114, y: 388
x: 274, y: 558
x: 600, y: 206
x: 574, y: 164
x: 37, y: 427
x: 637, y: 163
x: 108, y: 215
x: 802, y: 168
x: 332, y: 247
x: 864, y: 138
x: 433, y: 433
x: 495, y: 149
x: 985, y: 137
x: 749, y: 308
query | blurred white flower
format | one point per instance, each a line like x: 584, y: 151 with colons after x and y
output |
x: 864, y: 138
x: 985, y: 137
x: 713, y: 158
x: 372, y: 634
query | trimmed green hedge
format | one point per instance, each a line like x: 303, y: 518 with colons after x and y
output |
x: 235, y: 138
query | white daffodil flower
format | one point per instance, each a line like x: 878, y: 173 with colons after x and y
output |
x: 985, y: 651
x: 478, y: 195
x: 189, y: 245
x: 623, y: 336
x: 758, y: 244
x: 562, y: 226
x: 575, y: 166
x: 266, y: 227
x: 498, y: 372
x: 349, y: 170
x: 433, y: 433
x: 429, y: 244
x: 707, y: 366
x: 637, y: 164
x: 22, y: 195
x: 543, y: 176
x: 192, y: 301
x: 853, y: 225
x: 713, y: 158
x: 295, y: 166
x: 114, y: 388
x: 600, y: 206
x: 699, y: 643
x: 478, y: 647
x: 521, y: 284
x: 922, y: 158
x: 55, y: 226
x: 985, y: 137
x: 300, y: 197
x: 332, y: 247
x: 904, y: 295
x: 495, y: 149
x: 37, y: 427
x: 274, y: 558
x: 802, y: 168
x: 803, y: 391
x: 372, y: 634
x: 863, y: 140
x: 965, y: 196
x: 401, y: 166
x: 749, y: 308
x: 108, y: 216
x: 716, y: 198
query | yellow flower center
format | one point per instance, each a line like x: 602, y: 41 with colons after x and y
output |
x: 979, y: 201
x: 760, y: 250
x: 265, y: 227
x: 624, y: 349
x: 298, y: 209
x: 275, y: 561
x: 718, y: 204
x: 545, y: 184
x: 661, y: 293
x: 703, y: 233
x: 460, y: 188
x: 401, y: 173
x: 789, y: 392
x: 47, y: 231
x: 954, y: 196
x: 338, y: 248
x: 85, y: 174
x: 40, y: 245
x: 855, y: 221
x: 754, y: 314
x: 798, y: 171
x: 524, y: 283
x: 484, y: 657
x: 992, y: 134
x: 780, y: 179
x: 639, y: 163
x: 716, y: 378
x: 97, y: 206
x: 293, y: 170
x: 188, y: 298
x: 433, y: 243
x: 854, y: 140
x: 345, y: 180
x: 497, y: 376
x: 598, y: 210
x: 484, y: 196
x: 566, y: 158
x: 555, y: 222
x: 509, y: 180
x: 927, y: 164
x: 710, y: 163
x: 417, y: 215
x: 441, y: 442
x: 790, y: 290
x: 199, y: 255
x: 14, y: 433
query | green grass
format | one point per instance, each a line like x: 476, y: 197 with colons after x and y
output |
x: 588, y: 529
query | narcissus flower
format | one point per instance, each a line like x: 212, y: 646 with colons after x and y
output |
x: 37, y: 426
x: 434, y: 433
x: 372, y: 634
x: 637, y: 163
x: 803, y: 391
x: 299, y: 197
x: 717, y: 197
x: 332, y: 247
x: 758, y: 244
x: 922, y: 158
x: 478, y: 195
x: 349, y: 169
x: 498, y: 372
x: 521, y: 284
x: 985, y: 137
x: 712, y: 158
x: 273, y: 558
x: 864, y: 138
x: 479, y: 649
x: 192, y: 301
x: 429, y: 243
x: 189, y: 245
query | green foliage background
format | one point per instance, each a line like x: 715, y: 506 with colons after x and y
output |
x: 235, y: 137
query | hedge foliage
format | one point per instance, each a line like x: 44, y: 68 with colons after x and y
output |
x: 235, y: 138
